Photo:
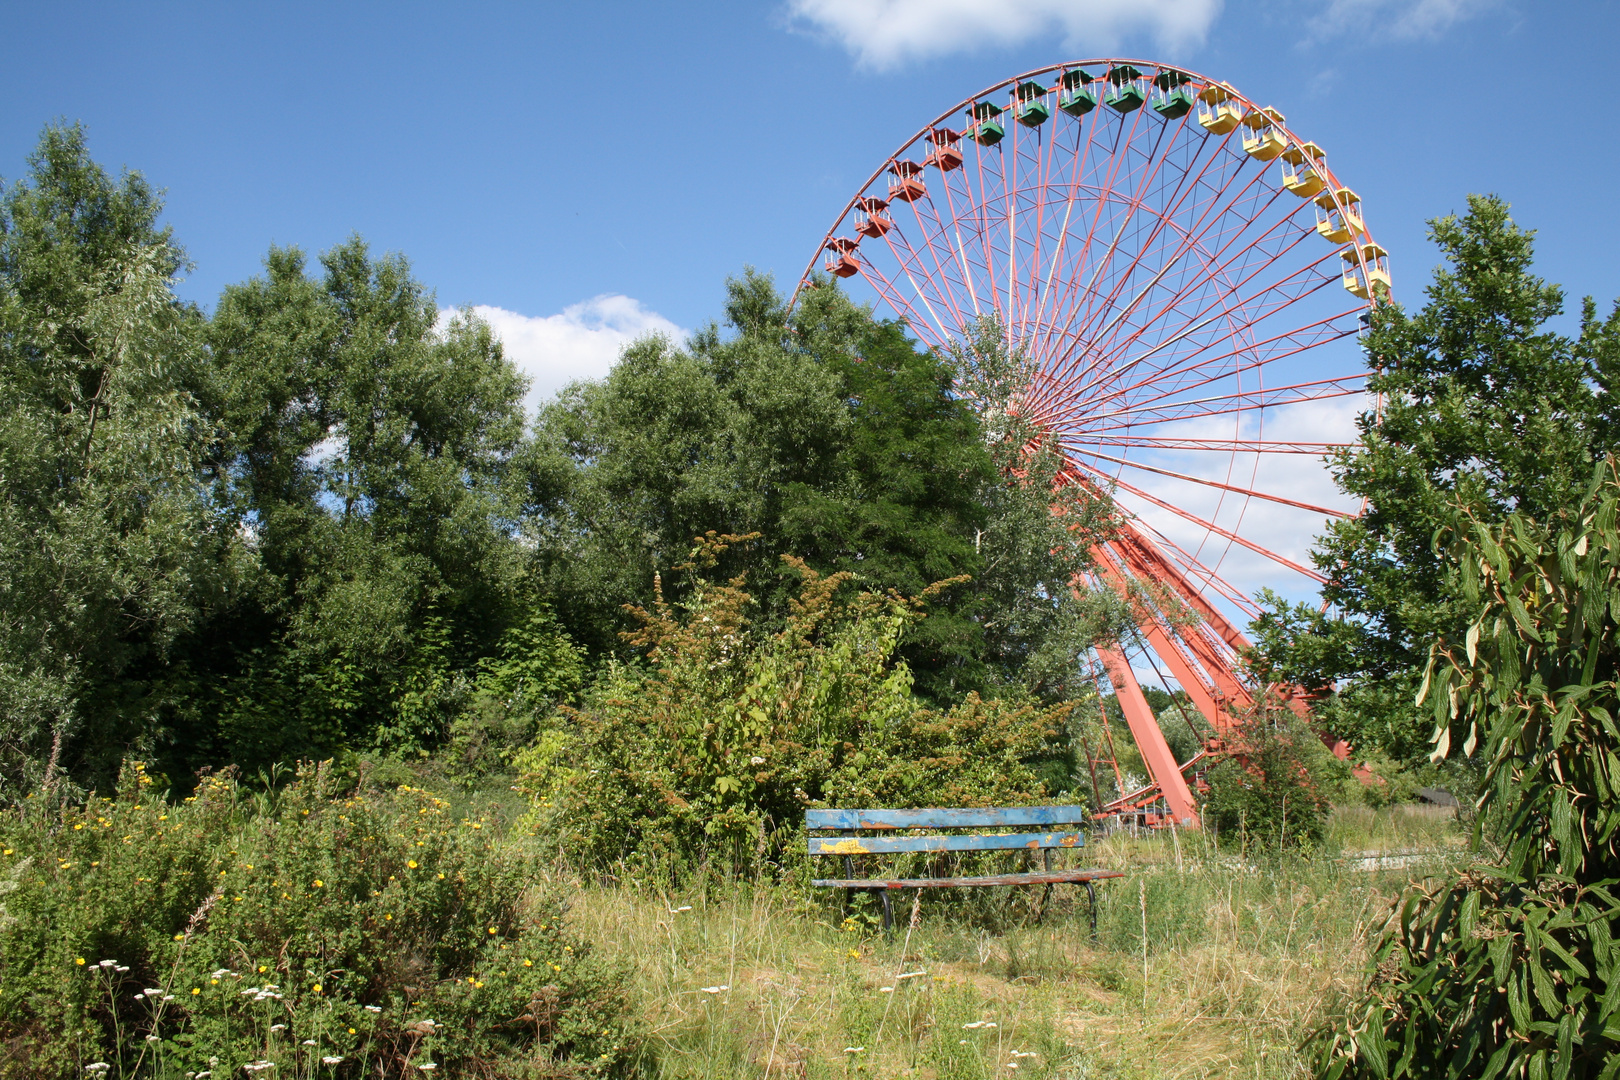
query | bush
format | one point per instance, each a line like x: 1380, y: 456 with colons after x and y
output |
x: 713, y: 754
x: 336, y: 936
x: 1264, y: 795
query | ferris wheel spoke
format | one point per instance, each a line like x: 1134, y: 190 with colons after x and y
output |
x: 1169, y: 382
x: 1192, y: 239
x: 1224, y: 404
x: 1132, y: 202
x: 1256, y: 305
x: 1200, y: 284
x: 1117, y: 157
x: 1189, y: 516
x: 915, y: 273
x: 1106, y: 304
x: 897, y: 298
x: 1144, y: 467
x: 1219, y: 446
x: 1173, y: 372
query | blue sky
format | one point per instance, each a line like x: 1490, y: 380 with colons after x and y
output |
x: 534, y: 156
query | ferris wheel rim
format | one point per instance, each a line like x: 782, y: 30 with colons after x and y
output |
x: 807, y: 277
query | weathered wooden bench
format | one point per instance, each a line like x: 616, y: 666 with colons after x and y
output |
x: 894, y: 837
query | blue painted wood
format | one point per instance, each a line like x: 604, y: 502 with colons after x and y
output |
x: 884, y: 845
x: 1054, y: 877
x: 980, y: 818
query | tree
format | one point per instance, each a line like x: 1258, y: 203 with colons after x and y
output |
x: 367, y: 451
x: 1509, y: 969
x: 110, y: 546
x: 1483, y: 406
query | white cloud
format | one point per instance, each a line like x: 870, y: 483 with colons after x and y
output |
x: 583, y: 341
x: 886, y: 33
x: 1406, y: 19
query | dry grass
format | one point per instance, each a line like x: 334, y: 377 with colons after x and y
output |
x: 1240, y: 962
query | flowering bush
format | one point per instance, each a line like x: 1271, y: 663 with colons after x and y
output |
x: 713, y: 755
x: 298, y: 930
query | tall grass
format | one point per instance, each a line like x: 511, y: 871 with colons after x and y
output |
x: 1202, y: 965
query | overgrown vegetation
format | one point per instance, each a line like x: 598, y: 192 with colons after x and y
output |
x: 1509, y: 969
x: 318, y: 929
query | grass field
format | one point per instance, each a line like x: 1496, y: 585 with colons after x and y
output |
x: 1203, y: 965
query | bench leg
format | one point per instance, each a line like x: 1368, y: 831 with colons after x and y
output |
x: 1091, y: 891
x: 1040, y: 912
x: 888, y: 911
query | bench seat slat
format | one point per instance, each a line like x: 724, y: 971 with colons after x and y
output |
x: 882, y: 845
x: 970, y: 818
x: 1052, y: 877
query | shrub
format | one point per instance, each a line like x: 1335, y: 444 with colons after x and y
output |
x: 1511, y: 969
x: 1264, y: 795
x: 335, y: 936
x: 713, y: 753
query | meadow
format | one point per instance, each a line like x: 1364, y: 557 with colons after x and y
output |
x: 1204, y: 965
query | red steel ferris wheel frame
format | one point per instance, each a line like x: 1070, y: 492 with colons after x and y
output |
x: 1122, y: 393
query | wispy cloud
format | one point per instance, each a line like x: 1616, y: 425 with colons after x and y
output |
x: 883, y: 34
x: 1404, y: 19
x: 583, y: 341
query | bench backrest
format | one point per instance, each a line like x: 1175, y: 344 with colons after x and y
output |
x: 853, y: 821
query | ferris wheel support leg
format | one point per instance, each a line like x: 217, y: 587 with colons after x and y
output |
x: 1161, y: 763
x: 1197, y: 687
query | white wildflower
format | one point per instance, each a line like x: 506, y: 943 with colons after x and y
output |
x: 885, y: 989
x: 331, y: 1059
x: 854, y: 1049
x: 715, y: 989
x: 152, y: 1038
x: 309, y: 1042
x: 910, y: 975
x: 373, y: 1008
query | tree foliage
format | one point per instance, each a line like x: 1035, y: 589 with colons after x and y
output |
x: 1511, y: 970
x: 1483, y: 405
x: 110, y: 546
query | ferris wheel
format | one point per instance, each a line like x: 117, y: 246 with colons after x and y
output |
x: 1188, y: 278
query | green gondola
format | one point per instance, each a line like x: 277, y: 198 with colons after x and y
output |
x: 987, y: 132
x: 1078, y: 98
x: 1127, y: 93
x: 1175, y: 104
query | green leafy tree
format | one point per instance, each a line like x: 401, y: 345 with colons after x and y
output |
x: 367, y: 456
x: 1483, y: 405
x: 1509, y: 969
x: 110, y: 544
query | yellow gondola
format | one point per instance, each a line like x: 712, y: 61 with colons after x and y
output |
x: 1264, y: 141
x: 1338, y: 215
x: 1302, y: 169
x: 1366, y: 270
x: 1217, y: 112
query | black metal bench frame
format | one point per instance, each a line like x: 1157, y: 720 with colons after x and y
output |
x: 895, y: 837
